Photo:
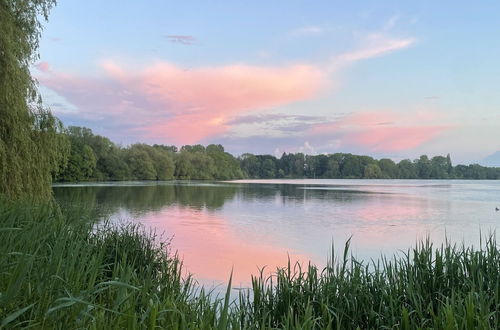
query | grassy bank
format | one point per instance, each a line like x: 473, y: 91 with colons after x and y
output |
x: 56, y: 272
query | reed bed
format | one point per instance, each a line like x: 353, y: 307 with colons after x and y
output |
x: 58, y: 272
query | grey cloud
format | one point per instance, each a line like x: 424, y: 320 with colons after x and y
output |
x: 181, y: 39
x: 257, y: 119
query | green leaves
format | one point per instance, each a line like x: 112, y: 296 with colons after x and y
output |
x: 11, y: 317
x: 30, y: 148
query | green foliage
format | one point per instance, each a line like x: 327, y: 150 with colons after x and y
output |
x: 31, y: 147
x: 476, y: 172
x: 226, y: 166
x: 107, y: 161
x: 424, y: 167
x: 111, y: 166
x: 94, y: 157
x: 80, y: 165
x: 140, y: 163
x: 163, y: 163
x: 293, y: 165
x: 389, y: 168
x: 250, y: 165
x: 333, y: 167
x: 353, y: 166
x: 194, y: 165
x: 407, y: 169
x: 60, y: 270
x: 349, y: 166
x: 268, y: 168
x: 440, y: 167
x: 372, y: 171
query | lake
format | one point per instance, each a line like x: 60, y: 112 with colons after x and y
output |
x: 248, y: 224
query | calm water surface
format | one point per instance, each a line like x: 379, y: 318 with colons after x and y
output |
x: 254, y: 223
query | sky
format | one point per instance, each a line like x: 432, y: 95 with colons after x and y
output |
x: 381, y: 78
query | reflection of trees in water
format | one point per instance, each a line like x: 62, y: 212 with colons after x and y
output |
x: 298, y: 193
x: 137, y: 199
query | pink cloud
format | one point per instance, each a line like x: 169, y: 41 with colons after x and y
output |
x: 383, y: 130
x: 165, y: 103
x: 395, y: 138
x: 43, y: 66
x: 184, y: 106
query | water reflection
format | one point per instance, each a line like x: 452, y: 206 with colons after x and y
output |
x: 147, y: 197
x: 217, y: 226
x: 211, y: 247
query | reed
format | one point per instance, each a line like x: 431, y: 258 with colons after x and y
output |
x: 449, y: 287
x: 58, y: 271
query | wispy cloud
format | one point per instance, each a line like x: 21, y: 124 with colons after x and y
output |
x: 373, y: 45
x: 265, y: 118
x: 264, y: 54
x: 305, y: 31
x: 273, y: 124
x: 391, y: 22
x: 181, y: 39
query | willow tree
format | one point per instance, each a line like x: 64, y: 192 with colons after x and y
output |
x: 30, y: 144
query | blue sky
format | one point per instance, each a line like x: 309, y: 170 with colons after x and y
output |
x: 387, y: 79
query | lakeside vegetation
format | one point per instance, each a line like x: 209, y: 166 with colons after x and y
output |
x: 58, y: 272
x: 93, y: 157
x: 31, y: 147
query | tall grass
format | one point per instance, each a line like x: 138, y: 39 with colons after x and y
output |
x: 58, y: 272
x: 449, y: 287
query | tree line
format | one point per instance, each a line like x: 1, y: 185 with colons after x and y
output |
x: 349, y: 166
x: 92, y: 157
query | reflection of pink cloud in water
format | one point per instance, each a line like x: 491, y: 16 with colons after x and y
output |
x: 390, y: 224
x: 210, y: 247
x: 386, y: 208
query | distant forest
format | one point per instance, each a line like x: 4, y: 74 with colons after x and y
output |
x: 91, y: 157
